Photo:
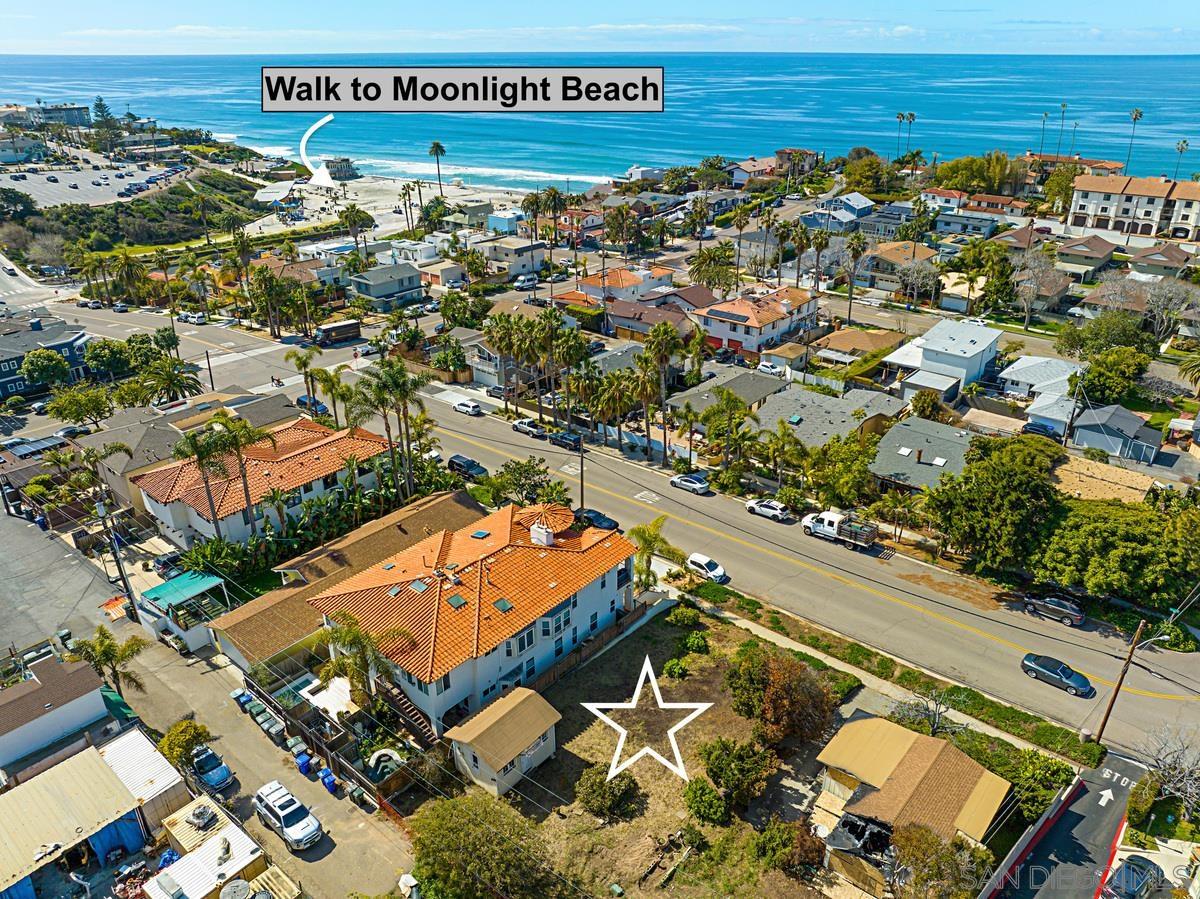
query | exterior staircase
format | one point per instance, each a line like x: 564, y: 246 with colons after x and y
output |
x: 414, y: 719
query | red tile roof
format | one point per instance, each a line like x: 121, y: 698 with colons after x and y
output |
x: 303, y: 452
x: 446, y: 591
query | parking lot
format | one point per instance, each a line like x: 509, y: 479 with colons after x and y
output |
x: 54, y: 193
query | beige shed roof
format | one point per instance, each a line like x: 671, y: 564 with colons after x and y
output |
x: 869, y: 749
x: 55, y: 810
x: 501, y: 731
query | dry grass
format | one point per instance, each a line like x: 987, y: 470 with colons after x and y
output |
x: 601, y: 854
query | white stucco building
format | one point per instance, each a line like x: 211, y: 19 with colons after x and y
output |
x: 55, y: 700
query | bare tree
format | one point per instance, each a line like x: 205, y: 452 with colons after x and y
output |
x: 917, y: 278
x: 1173, y: 754
x: 931, y: 708
x: 1116, y: 291
x: 1166, y: 301
x: 1035, y: 276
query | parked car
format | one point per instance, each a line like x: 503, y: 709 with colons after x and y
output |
x: 525, y: 282
x: 594, y: 519
x: 724, y: 354
x: 567, y: 440
x: 210, y: 768
x: 982, y: 322
x: 279, y: 810
x: 558, y: 277
x: 120, y: 307
x: 311, y: 404
x: 82, y: 302
x: 38, y: 408
x: 769, y: 508
x: 707, y: 568
x: 432, y: 306
x: 10, y: 442
x: 770, y: 368
x: 840, y: 527
x: 497, y: 392
x: 166, y: 563
x: 1135, y: 878
x: 455, y: 284
x: 95, y: 304
x: 692, y: 483
x: 1058, y: 674
x: 595, y: 347
x: 1055, y: 607
x: 468, y: 407
x: 467, y: 467
x: 1036, y: 427
x: 529, y: 427
x: 71, y: 431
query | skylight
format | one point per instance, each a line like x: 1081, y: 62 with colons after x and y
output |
x: 456, y: 601
x: 939, y: 461
x: 479, y: 535
x: 503, y: 605
x: 419, y: 586
x: 396, y: 590
x: 904, y: 451
x: 389, y: 566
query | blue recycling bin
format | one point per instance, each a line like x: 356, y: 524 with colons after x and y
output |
x: 41, y: 522
x: 330, y: 783
x: 304, y: 763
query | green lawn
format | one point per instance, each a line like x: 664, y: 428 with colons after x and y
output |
x: 1168, y: 824
x: 1160, y: 413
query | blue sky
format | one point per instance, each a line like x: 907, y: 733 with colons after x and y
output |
x: 880, y: 26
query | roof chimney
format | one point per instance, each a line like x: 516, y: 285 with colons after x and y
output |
x: 918, y: 457
x: 35, y: 324
x: 540, y: 534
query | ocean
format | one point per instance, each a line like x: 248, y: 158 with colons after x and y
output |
x: 734, y: 104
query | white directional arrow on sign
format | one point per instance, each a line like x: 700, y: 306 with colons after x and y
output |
x: 320, y: 174
x: 1106, y: 797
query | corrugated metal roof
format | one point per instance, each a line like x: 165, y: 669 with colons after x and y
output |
x: 55, y: 810
x: 200, y: 873
x: 141, y: 767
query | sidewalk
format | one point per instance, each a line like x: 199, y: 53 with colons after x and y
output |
x: 887, y: 689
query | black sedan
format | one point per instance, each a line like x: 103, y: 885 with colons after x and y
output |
x: 596, y: 519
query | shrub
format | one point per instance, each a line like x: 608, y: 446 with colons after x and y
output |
x: 695, y: 642
x: 739, y: 769
x: 603, y: 797
x: 793, y: 498
x: 675, y: 668
x: 180, y: 739
x: 1141, y: 799
x: 683, y: 616
x: 1095, y: 453
x: 788, y: 846
x: 705, y: 803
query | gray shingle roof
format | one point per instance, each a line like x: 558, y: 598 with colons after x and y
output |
x: 897, y: 457
x: 1120, y: 419
x: 815, y: 417
x: 751, y: 386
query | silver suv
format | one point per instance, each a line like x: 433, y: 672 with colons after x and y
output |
x: 279, y: 810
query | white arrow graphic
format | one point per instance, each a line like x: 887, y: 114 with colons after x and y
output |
x: 320, y: 174
x: 1105, y: 797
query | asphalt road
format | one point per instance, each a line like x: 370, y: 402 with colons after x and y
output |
x: 936, y: 620
x: 19, y: 291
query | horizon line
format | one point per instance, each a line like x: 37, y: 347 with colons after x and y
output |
x: 527, y: 54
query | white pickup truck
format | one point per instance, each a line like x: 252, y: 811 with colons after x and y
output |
x: 840, y: 527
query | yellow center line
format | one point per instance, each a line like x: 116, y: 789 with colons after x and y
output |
x: 832, y: 575
x: 215, y: 346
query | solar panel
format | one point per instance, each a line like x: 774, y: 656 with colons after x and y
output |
x: 34, y: 447
x: 456, y: 601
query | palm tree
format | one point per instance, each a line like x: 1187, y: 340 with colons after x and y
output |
x: 304, y: 359
x: 899, y: 126
x: 663, y: 344
x: 909, y: 118
x: 547, y: 326
x: 333, y: 388
x: 1180, y: 148
x: 238, y: 436
x: 618, y: 227
x: 780, y: 448
x: 1062, y: 124
x: 697, y: 349
x: 802, y: 241
x: 90, y: 457
x: 199, y: 205
x: 1189, y: 370
x: 1135, y: 116
x: 423, y: 433
x: 650, y: 542
x: 373, y: 397
x: 356, y: 654
x: 767, y: 220
x: 570, y: 349
x: 500, y: 331
x: 278, y: 498
x: 95, y: 267
x: 713, y: 267
x: 820, y: 243
x: 437, y: 151
x: 206, y: 449
x: 741, y: 220
x: 354, y: 219
x: 168, y: 379
x: 613, y: 401
x: 856, y: 249
x: 128, y: 271
x: 111, y: 660
x: 686, y: 419
x: 643, y: 387
x: 554, y: 204
x: 531, y: 205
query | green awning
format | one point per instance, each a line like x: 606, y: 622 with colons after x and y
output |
x: 180, y: 589
x: 117, y: 707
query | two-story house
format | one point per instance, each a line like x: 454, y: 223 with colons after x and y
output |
x: 944, y: 199
x: 719, y: 201
x: 631, y: 282
x: 995, y: 204
x: 306, y: 459
x: 1166, y: 259
x: 504, y: 221
x: 960, y: 349
x: 489, y: 607
x: 854, y: 203
x: 1083, y: 258
x: 882, y: 266
x: 513, y: 255
x: 752, y: 322
x: 741, y: 173
x: 388, y: 286
x: 793, y: 162
x: 21, y: 333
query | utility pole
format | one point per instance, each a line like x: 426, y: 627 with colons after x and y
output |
x: 581, y: 502
x: 208, y: 360
x: 1133, y: 644
x: 116, y: 551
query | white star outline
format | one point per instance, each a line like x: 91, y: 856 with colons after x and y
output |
x: 647, y: 674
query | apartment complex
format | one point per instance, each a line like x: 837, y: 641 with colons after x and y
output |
x: 1148, y: 207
